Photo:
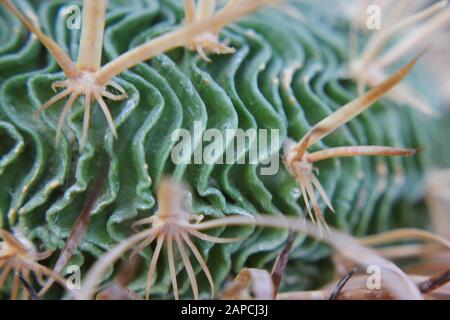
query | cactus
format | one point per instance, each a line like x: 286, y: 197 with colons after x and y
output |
x: 157, y: 66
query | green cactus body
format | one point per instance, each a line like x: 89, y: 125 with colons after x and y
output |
x: 286, y: 74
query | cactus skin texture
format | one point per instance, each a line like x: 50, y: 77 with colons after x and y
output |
x: 285, y: 76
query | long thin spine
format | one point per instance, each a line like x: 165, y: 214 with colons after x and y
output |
x: 356, y: 107
x: 406, y: 95
x: 175, y: 39
x: 404, y: 234
x: 144, y: 244
x: 86, y: 119
x: 416, y: 37
x: 201, y: 261
x: 343, y: 152
x: 152, y: 268
x: 394, y: 278
x: 227, y: 6
x: 302, y: 147
x: 52, y: 101
x: 397, y: 9
x: 189, y: 10
x: 41, y: 271
x: 172, y: 270
x: 91, y: 280
x: 106, y: 112
x: 4, y: 275
x: 26, y: 293
x: 316, y: 183
x: 62, y: 117
x: 376, y: 45
x: 209, y: 238
x: 345, y: 244
x: 91, y: 45
x: 300, y: 180
x: 56, y: 51
x: 15, y: 286
x: 315, y: 204
x: 206, y: 9
x: 188, y: 265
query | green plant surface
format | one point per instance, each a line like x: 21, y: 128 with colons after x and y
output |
x: 43, y: 186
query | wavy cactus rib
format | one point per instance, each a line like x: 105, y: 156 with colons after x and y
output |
x: 88, y: 79
x: 286, y: 76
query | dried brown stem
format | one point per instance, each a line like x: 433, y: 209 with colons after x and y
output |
x: 78, y: 231
x: 281, y: 263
